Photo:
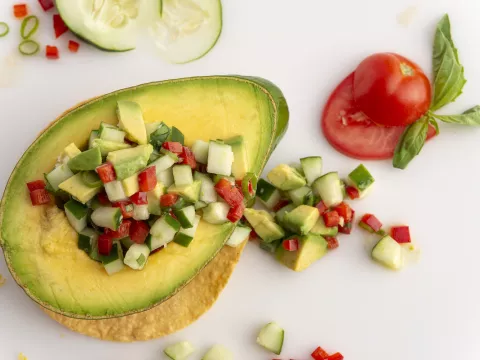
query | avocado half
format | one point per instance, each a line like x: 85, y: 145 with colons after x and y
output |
x: 40, y: 247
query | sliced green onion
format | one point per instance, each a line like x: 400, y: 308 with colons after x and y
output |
x: 28, y: 47
x: 4, y: 29
x: 249, y: 177
x: 32, y: 19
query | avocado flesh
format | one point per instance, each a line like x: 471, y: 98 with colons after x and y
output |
x: 43, y: 254
x: 311, y: 248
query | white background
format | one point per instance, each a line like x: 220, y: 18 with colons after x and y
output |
x: 345, y: 302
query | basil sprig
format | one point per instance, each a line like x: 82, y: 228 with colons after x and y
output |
x: 411, y: 142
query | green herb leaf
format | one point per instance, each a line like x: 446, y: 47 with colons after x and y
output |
x: 470, y: 117
x: 448, y: 73
x: 434, y: 123
x: 410, y: 143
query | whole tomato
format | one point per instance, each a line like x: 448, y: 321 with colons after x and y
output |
x: 391, y: 90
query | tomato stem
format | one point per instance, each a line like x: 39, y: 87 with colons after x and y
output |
x: 406, y: 69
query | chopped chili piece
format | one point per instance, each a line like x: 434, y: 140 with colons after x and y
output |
x: 73, y: 46
x: 20, y: 10
x: 51, y: 52
x: 336, y: 356
x: 59, y: 26
x: 331, y: 218
x: 319, y: 354
x: 139, y: 198
x: 106, y: 172
x: 105, y: 243
x: 147, y: 179
x: 174, y: 147
x: 236, y: 213
x: 231, y: 194
x: 103, y: 198
x: 281, y: 204
x: 46, y: 4
x: 139, y: 231
x: 290, y: 244
x: 352, y: 192
x: 39, y: 197
x: 370, y: 223
x: 332, y: 242
x: 345, y: 211
x: 122, y: 231
x: 322, y: 208
x: 36, y: 185
x: 126, y: 207
x: 168, y: 200
x: 188, y: 158
x: 401, y: 234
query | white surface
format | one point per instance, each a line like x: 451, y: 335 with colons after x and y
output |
x: 345, y: 302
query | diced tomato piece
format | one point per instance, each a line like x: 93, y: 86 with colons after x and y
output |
x: 59, y: 26
x: 346, y: 228
x: 319, y: 354
x: 236, y: 213
x: 253, y: 235
x: 106, y: 172
x: 331, y: 218
x: 345, y: 211
x: 280, y: 204
x: 168, y: 200
x: 36, y: 185
x: 401, y: 234
x: 332, y: 242
x: 147, y: 179
x: 105, y: 243
x: 174, y: 147
x: 238, y: 183
x: 336, y: 356
x: 372, y: 222
x: 322, y: 208
x: 20, y: 10
x: 73, y: 46
x: 51, y: 52
x: 46, y: 4
x: 103, y: 198
x: 126, y: 207
x: 39, y: 197
x: 231, y: 194
x: 122, y: 231
x: 352, y: 192
x: 139, y: 231
x: 290, y: 244
x: 188, y: 158
x: 139, y: 198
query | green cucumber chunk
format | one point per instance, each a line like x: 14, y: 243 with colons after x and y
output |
x: 76, y: 214
x: 179, y: 351
x: 239, y: 235
x: 200, y: 151
x: 220, y: 159
x: 182, y: 175
x: 329, y: 188
x: 268, y: 194
x: 271, y: 337
x: 57, y: 176
x: 107, y: 217
x: 207, y: 188
x: 312, y: 168
x: 218, y: 352
x: 136, y: 256
x: 186, y: 216
x: 87, y: 239
x: 361, y: 179
x: 113, y: 262
x: 388, y: 253
x: 216, y: 213
x: 185, y: 236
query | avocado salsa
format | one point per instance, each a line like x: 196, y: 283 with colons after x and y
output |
x: 137, y: 187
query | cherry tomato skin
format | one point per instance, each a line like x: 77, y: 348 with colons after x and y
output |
x: 391, y: 90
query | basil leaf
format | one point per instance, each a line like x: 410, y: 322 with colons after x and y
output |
x: 410, y: 143
x: 470, y: 117
x: 434, y: 123
x: 448, y: 73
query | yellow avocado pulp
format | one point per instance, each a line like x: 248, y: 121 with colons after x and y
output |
x: 39, y: 245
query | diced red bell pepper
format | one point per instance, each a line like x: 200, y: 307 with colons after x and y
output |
x: 139, y: 198
x: 122, y: 231
x: 106, y: 172
x: 73, y: 46
x: 126, y: 207
x: 59, y: 26
x: 168, y: 200
x: 147, y: 179
x: 319, y: 354
x: 36, y: 185
x: 139, y: 231
x: 46, y: 4
x: 290, y: 244
x: 372, y: 223
x: 20, y: 10
x: 345, y: 211
x: 331, y: 218
x: 281, y: 204
x: 253, y: 235
x: 231, y: 194
x: 188, y: 158
x: 352, y: 192
x: 103, y: 198
x: 236, y: 213
x: 51, y: 52
x: 105, y: 243
x: 346, y: 228
x: 401, y: 234
x: 174, y: 147
x: 322, y: 208
x: 336, y: 356
x: 39, y: 197
x: 332, y: 242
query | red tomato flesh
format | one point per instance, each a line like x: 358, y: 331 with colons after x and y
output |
x: 105, y: 243
x: 20, y: 10
x: 352, y: 192
x: 147, y: 179
x: 122, y: 231
x: 372, y: 222
x: 139, y: 231
x: 139, y: 198
x: 168, y: 200
x: 319, y: 354
x: 290, y: 244
x: 352, y: 133
x: 336, y: 356
x: 236, y: 213
x: 401, y: 234
x: 106, y: 172
x: 331, y: 218
x: 321, y: 207
x: 73, y: 46
x: 188, y: 158
x: 231, y: 194
x: 345, y: 211
x: 36, y: 185
x: 174, y: 147
x: 332, y: 243
x: 46, y: 4
x: 126, y: 207
x: 39, y: 197
x: 59, y: 26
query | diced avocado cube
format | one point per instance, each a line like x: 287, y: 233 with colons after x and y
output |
x: 190, y: 192
x: 301, y: 219
x: 286, y: 178
x: 57, y: 176
x: 130, y: 119
x: 240, y: 161
x: 153, y: 198
x: 321, y: 229
x: 361, y: 179
x: 71, y: 150
x: 280, y: 215
x: 78, y: 189
x: 268, y: 194
x: 127, y: 162
x: 311, y: 248
x: 389, y: 253
x: 264, y: 225
x: 130, y: 185
x: 107, y: 147
x: 87, y: 160
x: 111, y: 133
x: 302, y: 195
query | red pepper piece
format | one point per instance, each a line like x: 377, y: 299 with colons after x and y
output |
x: 103, y: 198
x: 174, y: 147
x: 331, y: 218
x: 319, y: 354
x: 126, y: 207
x: 401, y: 234
x: 346, y: 228
x: 322, y: 208
x: 188, y: 158
x: 147, y: 179
x: 332, y: 242
x: 290, y: 244
x: 59, y: 26
x: 39, y: 197
x: 345, y: 211
x: 236, y: 213
x: 73, y: 46
x: 46, y: 4
x: 372, y: 222
x: 20, y: 10
x: 231, y: 194
x: 139, y: 198
x: 168, y: 200
x: 280, y: 204
x: 336, y: 356
x: 122, y: 231
x: 106, y: 172
x: 51, y: 52
x: 352, y: 192
x: 253, y: 235
x: 139, y: 231
x: 36, y: 185
x: 105, y: 243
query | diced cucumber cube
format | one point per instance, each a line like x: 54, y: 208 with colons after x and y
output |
x: 93, y: 136
x: 271, y: 337
x: 239, y: 235
x: 200, y: 205
x: 218, y: 352
x: 329, y: 188
x: 312, y: 168
x: 388, y: 253
x: 115, y: 191
x: 153, y: 198
x: 220, y: 158
x: 140, y: 212
x: 321, y: 229
x: 136, y: 257
x: 163, y: 163
x: 87, y: 240
x: 190, y: 193
x: 216, y: 213
x: 200, y: 151
x: 107, y: 217
x: 186, y: 216
x: 207, y: 189
x: 58, y: 175
x: 179, y: 351
x: 113, y: 262
x: 111, y: 133
x: 301, y: 196
x: 182, y: 175
x: 361, y: 179
x: 127, y: 242
x: 76, y: 214
x: 185, y: 236
x: 165, y: 177
x: 268, y: 194
x: 163, y: 231
x: 280, y: 215
x: 240, y: 159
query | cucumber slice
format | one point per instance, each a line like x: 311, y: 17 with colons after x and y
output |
x: 113, y: 262
x: 136, y: 257
x: 58, y: 175
x: 186, y: 216
x: 218, y: 352
x: 268, y: 194
x: 188, y: 29
x: 107, y: 217
x: 388, y: 253
x: 140, y: 212
x: 111, y: 133
x: 87, y: 240
x: 312, y: 168
x: 301, y: 196
x: 165, y: 177
x: 115, y: 191
x: 271, y: 338
x: 200, y: 205
x: 179, y: 351
x: 200, y: 151
x: 76, y: 214
x: 177, y: 136
x: 93, y: 136
x: 239, y: 235
x: 220, y: 158
x: 329, y: 188
x: 207, y: 189
x: 216, y: 213
x: 153, y: 198
x: 182, y: 175
x: 163, y: 163
x: 185, y: 236
x: 165, y: 227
